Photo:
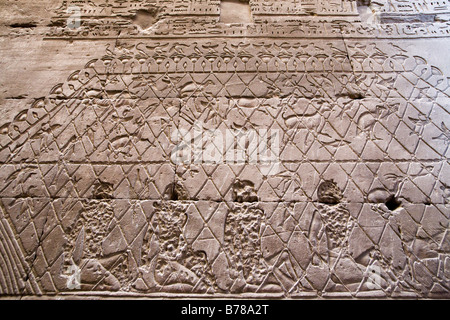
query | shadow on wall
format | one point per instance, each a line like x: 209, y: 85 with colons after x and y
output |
x: 235, y: 11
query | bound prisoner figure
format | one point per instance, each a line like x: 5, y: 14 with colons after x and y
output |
x: 88, y: 264
x: 168, y: 261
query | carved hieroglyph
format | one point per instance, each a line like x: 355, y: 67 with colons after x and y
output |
x: 94, y: 199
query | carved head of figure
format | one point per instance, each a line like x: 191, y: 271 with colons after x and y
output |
x: 329, y: 192
x: 103, y: 190
x: 244, y: 191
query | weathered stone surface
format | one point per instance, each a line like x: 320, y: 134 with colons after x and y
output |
x: 225, y: 148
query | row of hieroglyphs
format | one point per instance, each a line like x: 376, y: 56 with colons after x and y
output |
x: 280, y: 19
x: 414, y: 6
x: 258, y: 7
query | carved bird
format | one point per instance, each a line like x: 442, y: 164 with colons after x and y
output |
x: 178, y: 48
x: 445, y: 135
x: 367, y: 121
x: 397, y: 47
x: 419, y: 123
x: 193, y: 87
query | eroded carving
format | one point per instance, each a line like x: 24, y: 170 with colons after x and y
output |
x: 176, y: 267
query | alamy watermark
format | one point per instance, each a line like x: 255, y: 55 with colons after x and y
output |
x: 260, y: 147
x: 373, y: 14
x: 374, y: 278
x: 74, y: 20
x: 73, y: 277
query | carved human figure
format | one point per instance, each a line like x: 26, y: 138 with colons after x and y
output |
x: 85, y: 248
x: 175, y: 266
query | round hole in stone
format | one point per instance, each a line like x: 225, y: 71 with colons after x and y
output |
x: 145, y: 18
x: 392, y: 203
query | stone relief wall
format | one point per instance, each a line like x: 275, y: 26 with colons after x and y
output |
x: 94, y: 200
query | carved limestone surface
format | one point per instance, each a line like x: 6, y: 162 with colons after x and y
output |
x: 225, y: 148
